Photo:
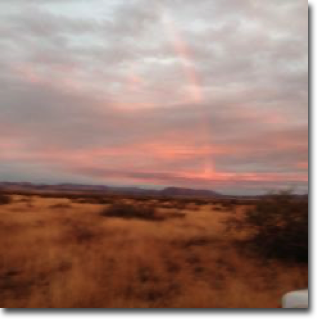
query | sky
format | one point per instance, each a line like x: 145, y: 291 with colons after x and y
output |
x: 209, y: 94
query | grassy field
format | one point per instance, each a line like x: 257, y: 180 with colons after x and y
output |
x: 124, y: 252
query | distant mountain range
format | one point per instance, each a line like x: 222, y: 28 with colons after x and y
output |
x: 180, y: 191
x: 168, y: 191
x: 16, y: 187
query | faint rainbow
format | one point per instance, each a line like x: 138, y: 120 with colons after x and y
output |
x: 196, y: 96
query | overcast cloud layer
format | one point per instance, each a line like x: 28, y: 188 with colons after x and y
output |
x: 204, y: 94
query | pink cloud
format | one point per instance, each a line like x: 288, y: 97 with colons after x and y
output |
x: 146, y: 163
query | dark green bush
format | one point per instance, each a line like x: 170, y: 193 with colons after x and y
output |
x: 278, y: 227
x: 131, y: 211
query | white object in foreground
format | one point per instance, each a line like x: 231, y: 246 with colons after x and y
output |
x: 296, y: 299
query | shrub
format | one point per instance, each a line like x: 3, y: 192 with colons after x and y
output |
x: 4, y: 199
x: 228, y: 204
x: 131, y: 211
x: 177, y: 205
x: 196, y: 201
x: 94, y: 200
x: 278, y: 227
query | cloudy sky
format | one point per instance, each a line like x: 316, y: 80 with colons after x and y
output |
x: 204, y: 94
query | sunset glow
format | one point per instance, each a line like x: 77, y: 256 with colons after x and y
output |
x: 155, y: 93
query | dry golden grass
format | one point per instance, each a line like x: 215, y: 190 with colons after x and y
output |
x: 61, y: 253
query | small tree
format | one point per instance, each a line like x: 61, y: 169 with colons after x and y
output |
x: 278, y: 227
